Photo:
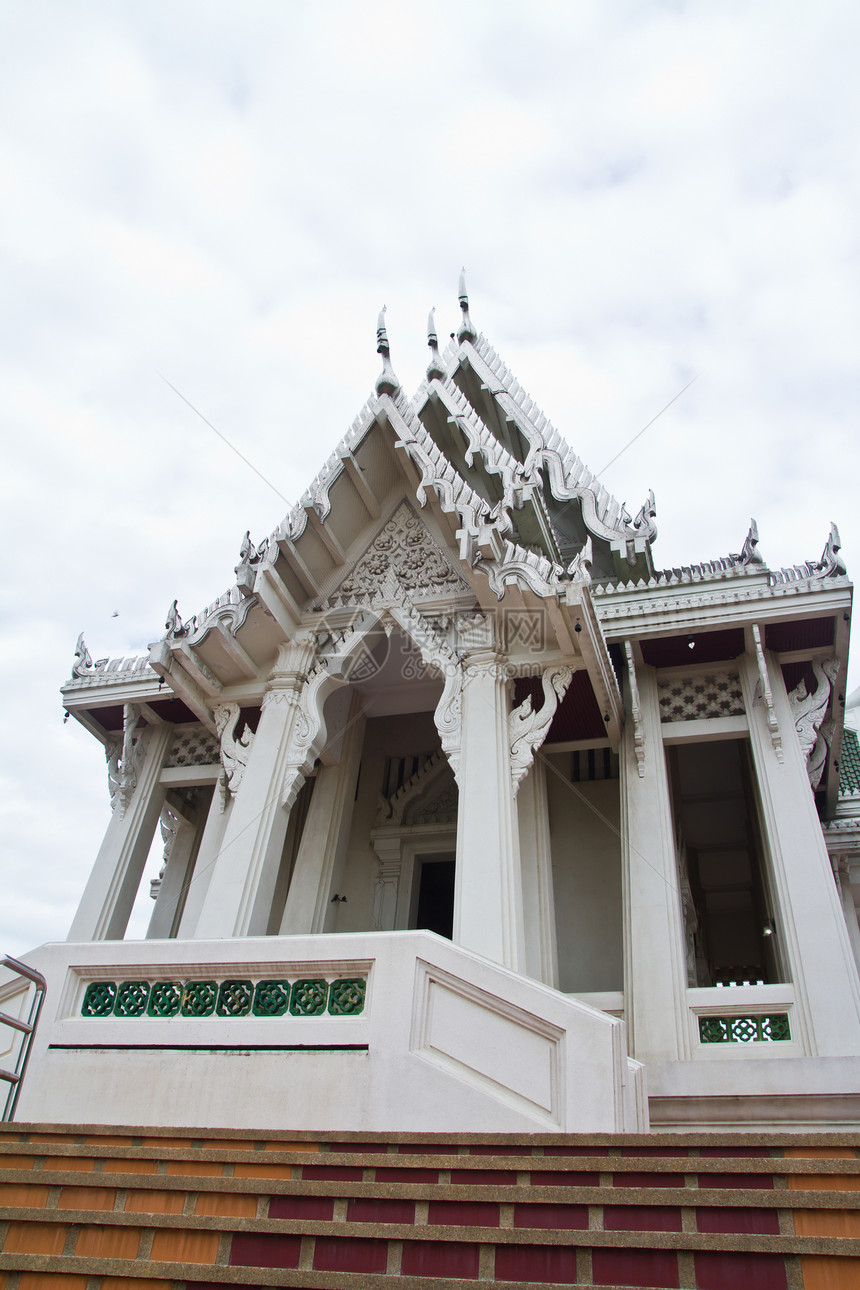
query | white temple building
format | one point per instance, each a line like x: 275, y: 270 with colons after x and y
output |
x: 473, y: 817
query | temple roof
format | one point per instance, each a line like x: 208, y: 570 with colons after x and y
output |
x: 502, y: 516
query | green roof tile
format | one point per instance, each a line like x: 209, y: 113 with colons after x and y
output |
x: 849, y: 767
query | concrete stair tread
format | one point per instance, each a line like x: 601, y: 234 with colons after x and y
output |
x: 574, y: 1236
x: 676, y: 1204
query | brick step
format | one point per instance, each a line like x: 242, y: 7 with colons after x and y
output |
x: 154, y: 1210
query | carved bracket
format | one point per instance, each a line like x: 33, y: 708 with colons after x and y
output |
x: 169, y: 824
x: 527, y: 729
x: 436, y: 653
x: 123, y: 759
x: 636, y: 711
x: 234, y: 752
x: 809, y: 711
x: 764, y: 692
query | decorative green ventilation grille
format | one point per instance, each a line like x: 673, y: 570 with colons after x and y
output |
x: 131, y: 999
x: 198, y: 998
x: 165, y: 998
x: 99, y: 998
x: 234, y: 998
x: 271, y: 998
x: 346, y: 997
x: 308, y: 997
x: 744, y: 1030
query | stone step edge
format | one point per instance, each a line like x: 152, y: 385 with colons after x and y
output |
x: 777, y: 1138
x: 596, y: 1238
x: 776, y: 1166
x: 659, y: 1197
x: 303, y: 1279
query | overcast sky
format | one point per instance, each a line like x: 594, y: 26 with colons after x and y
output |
x: 224, y: 194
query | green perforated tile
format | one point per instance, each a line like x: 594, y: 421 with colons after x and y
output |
x: 346, y: 997
x: 131, y: 999
x: 198, y: 999
x: 165, y: 998
x: 234, y: 998
x: 308, y: 998
x: 271, y: 998
x: 99, y: 999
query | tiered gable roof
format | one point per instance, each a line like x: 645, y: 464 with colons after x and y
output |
x: 496, y: 502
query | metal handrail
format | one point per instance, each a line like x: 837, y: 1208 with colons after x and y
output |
x: 27, y: 1028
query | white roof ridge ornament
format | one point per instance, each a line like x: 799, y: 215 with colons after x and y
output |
x: 105, y: 671
x: 435, y: 368
x: 386, y: 382
x: 466, y: 330
x: 749, y: 554
x: 831, y: 564
x: 568, y: 475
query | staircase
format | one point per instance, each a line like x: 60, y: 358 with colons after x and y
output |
x: 97, y: 1208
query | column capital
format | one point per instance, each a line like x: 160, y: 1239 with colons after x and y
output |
x: 487, y: 662
x: 295, y: 658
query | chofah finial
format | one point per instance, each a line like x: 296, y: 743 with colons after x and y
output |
x: 831, y: 564
x: 467, y: 331
x: 173, y: 627
x: 435, y: 370
x: 750, y: 553
x: 386, y: 382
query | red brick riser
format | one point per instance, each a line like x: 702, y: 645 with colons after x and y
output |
x: 123, y: 1208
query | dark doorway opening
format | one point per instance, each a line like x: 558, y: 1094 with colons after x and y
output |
x: 436, y: 896
x: 730, y: 933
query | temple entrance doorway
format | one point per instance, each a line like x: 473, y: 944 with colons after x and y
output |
x: 435, y: 894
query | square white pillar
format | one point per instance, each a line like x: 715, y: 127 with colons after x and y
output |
x: 207, y: 855
x: 239, y: 896
x: 808, y: 913
x: 110, y: 893
x: 655, y: 978
x: 320, y: 856
x: 488, y: 909
x: 541, y: 946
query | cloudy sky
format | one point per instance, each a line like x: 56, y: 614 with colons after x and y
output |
x: 222, y: 195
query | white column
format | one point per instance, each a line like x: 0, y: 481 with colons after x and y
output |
x: 239, y: 897
x: 389, y: 850
x: 536, y: 862
x: 177, y: 873
x: 814, y: 941
x: 842, y: 874
x: 320, y: 858
x: 655, y: 979
x: 488, y: 912
x: 109, y: 895
x: 207, y: 855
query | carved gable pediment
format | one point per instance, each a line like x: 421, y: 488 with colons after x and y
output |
x: 429, y: 797
x: 403, y: 560
x: 438, y: 806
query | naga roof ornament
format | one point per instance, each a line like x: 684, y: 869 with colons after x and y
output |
x: 831, y: 564
x: 749, y: 552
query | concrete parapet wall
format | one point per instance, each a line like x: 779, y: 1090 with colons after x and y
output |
x: 393, y: 1031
